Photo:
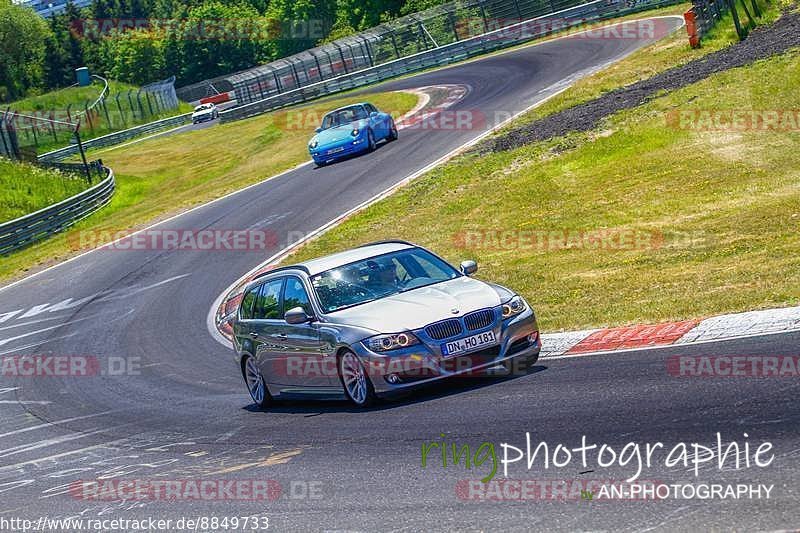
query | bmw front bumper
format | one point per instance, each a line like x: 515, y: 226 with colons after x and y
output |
x: 397, y: 370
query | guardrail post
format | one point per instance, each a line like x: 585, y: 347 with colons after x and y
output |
x: 139, y: 101
x: 80, y: 149
x: 6, y: 149
x: 739, y: 30
x: 88, y: 115
x: 691, y: 28
x: 394, y: 43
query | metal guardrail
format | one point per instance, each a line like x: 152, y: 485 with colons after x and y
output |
x: 118, y: 137
x: 488, y: 42
x: 23, y: 231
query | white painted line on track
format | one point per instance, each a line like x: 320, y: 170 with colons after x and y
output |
x: 55, y: 423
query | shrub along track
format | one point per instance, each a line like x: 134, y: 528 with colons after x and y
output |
x: 762, y: 43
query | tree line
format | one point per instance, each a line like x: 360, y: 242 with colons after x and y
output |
x: 140, y: 41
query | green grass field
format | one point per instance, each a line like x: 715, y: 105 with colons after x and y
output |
x: 700, y: 222
x: 156, y: 179
x: 25, y: 188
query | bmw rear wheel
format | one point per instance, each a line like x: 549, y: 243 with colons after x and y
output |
x: 355, y: 381
x: 256, y: 384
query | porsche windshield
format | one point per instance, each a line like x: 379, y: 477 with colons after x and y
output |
x: 379, y: 277
x: 343, y: 116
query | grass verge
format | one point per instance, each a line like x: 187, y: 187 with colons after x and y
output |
x: 157, y: 179
x: 25, y: 188
x: 700, y: 222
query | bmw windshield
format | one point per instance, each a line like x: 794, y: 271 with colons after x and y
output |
x: 344, y: 116
x: 379, y: 277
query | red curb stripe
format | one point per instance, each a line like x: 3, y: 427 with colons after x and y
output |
x: 633, y: 337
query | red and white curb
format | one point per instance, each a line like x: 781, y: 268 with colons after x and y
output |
x: 637, y: 337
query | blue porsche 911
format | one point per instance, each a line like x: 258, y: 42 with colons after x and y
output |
x: 350, y: 130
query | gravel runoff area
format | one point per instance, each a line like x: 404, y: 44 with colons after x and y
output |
x: 762, y: 42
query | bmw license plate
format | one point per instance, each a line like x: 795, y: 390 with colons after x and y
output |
x: 336, y: 150
x: 468, y: 344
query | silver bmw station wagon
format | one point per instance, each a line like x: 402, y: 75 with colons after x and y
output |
x: 375, y: 320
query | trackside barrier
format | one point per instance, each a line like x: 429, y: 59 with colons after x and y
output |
x: 118, y: 137
x: 23, y: 231
x: 216, y: 99
x: 527, y: 30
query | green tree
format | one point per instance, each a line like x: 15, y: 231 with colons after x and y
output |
x: 220, y: 39
x: 134, y: 56
x: 23, y: 34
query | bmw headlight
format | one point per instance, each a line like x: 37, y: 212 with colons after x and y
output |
x: 354, y: 133
x: 514, y: 306
x: 386, y: 343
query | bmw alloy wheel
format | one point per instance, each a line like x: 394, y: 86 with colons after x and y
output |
x: 255, y: 383
x: 357, y: 385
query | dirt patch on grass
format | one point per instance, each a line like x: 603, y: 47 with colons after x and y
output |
x: 762, y: 43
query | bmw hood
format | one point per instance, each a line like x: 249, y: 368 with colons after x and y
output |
x: 419, y: 307
x: 338, y: 133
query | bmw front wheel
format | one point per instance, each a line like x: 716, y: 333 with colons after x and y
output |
x: 355, y: 381
x: 256, y: 384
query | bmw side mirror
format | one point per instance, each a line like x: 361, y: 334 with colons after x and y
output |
x: 296, y: 315
x: 317, y: 130
x: 469, y: 267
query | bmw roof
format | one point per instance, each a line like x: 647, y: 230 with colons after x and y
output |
x: 321, y: 264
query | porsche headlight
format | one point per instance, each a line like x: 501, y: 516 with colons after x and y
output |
x: 313, y: 144
x: 514, y: 306
x: 386, y: 343
x: 354, y: 133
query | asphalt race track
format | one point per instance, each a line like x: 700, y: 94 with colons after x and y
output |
x: 183, y: 412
